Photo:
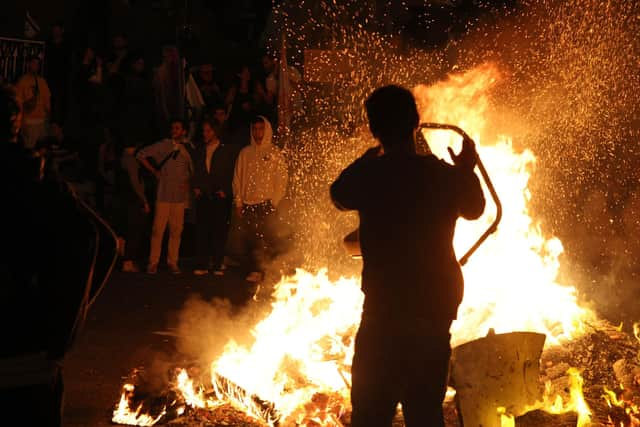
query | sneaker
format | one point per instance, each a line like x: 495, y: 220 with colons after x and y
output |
x: 200, y: 272
x: 152, y: 268
x: 174, y: 269
x: 254, y: 277
x: 129, y: 267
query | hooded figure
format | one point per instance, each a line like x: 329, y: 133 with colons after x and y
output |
x: 261, y: 171
x: 259, y: 184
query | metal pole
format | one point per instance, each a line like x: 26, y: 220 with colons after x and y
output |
x: 485, y: 176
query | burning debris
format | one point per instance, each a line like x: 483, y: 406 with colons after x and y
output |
x: 604, y: 392
x: 297, y: 371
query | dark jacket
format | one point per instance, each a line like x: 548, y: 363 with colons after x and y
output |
x: 220, y: 173
x: 408, y: 206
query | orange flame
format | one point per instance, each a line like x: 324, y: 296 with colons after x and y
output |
x: 304, y: 347
x: 124, y: 415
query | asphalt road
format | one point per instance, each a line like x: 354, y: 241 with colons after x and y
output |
x: 119, y: 335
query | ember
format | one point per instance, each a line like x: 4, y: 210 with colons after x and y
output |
x: 302, y: 352
x: 297, y: 371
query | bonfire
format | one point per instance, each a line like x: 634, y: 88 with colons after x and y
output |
x: 297, y: 370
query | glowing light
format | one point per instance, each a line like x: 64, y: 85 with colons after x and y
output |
x: 123, y: 414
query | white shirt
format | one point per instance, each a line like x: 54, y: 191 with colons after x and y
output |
x: 211, y: 148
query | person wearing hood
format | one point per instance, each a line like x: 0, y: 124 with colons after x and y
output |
x: 259, y: 184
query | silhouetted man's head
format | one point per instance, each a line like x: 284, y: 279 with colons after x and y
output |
x: 393, y: 115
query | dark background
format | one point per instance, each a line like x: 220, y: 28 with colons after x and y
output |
x: 221, y: 31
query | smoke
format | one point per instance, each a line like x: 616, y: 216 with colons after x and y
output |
x: 205, y: 327
x: 570, y: 92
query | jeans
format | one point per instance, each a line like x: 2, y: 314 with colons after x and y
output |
x: 252, y: 235
x: 212, y: 226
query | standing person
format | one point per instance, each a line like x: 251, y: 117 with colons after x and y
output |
x: 118, y: 54
x: 412, y: 282
x: 168, y: 88
x: 213, y: 172
x: 173, y: 169
x: 208, y: 86
x: 86, y: 119
x: 219, y: 116
x: 57, y: 71
x: 135, y: 209
x: 240, y: 103
x: 134, y: 123
x: 33, y: 93
x: 259, y: 184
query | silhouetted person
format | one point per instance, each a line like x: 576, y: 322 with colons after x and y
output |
x: 57, y: 71
x: 408, y: 206
x: 134, y: 209
x: 55, y: 257
x: 33, y: 93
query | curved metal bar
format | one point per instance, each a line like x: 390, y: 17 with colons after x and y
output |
x: 485, y: 176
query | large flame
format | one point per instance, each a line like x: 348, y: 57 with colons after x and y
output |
x: 303, y: 348
x: 511, y: 282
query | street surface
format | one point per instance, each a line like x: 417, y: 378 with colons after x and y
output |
x: 121, y: 334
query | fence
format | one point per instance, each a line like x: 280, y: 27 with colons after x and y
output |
x: 14, y: 55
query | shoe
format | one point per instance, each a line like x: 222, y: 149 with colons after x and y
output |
x: 174, y: 269
x: 129, y: 267
x: 200, y: 272
x: 152, y: 268
x: 219, y: 271
x: 254, y: 277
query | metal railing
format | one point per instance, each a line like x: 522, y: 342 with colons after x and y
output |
x: 14, y: 56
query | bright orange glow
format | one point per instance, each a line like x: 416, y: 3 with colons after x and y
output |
x: 303, y: 349
x: 124, y: 415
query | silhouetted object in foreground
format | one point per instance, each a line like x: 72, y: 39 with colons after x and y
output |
x: 56, y: 256
x: 408, y: 206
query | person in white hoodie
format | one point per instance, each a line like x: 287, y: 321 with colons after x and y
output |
x: 259, y: 184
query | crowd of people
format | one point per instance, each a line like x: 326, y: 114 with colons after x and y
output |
x: 153, y: 149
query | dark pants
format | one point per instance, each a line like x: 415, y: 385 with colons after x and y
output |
x: 136, y: 231
x: 36, y: 405
x: 212, y: 226
x: 253, y: 235
x: 399, y: 365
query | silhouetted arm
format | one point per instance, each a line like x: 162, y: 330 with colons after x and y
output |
x: 347, y: 191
